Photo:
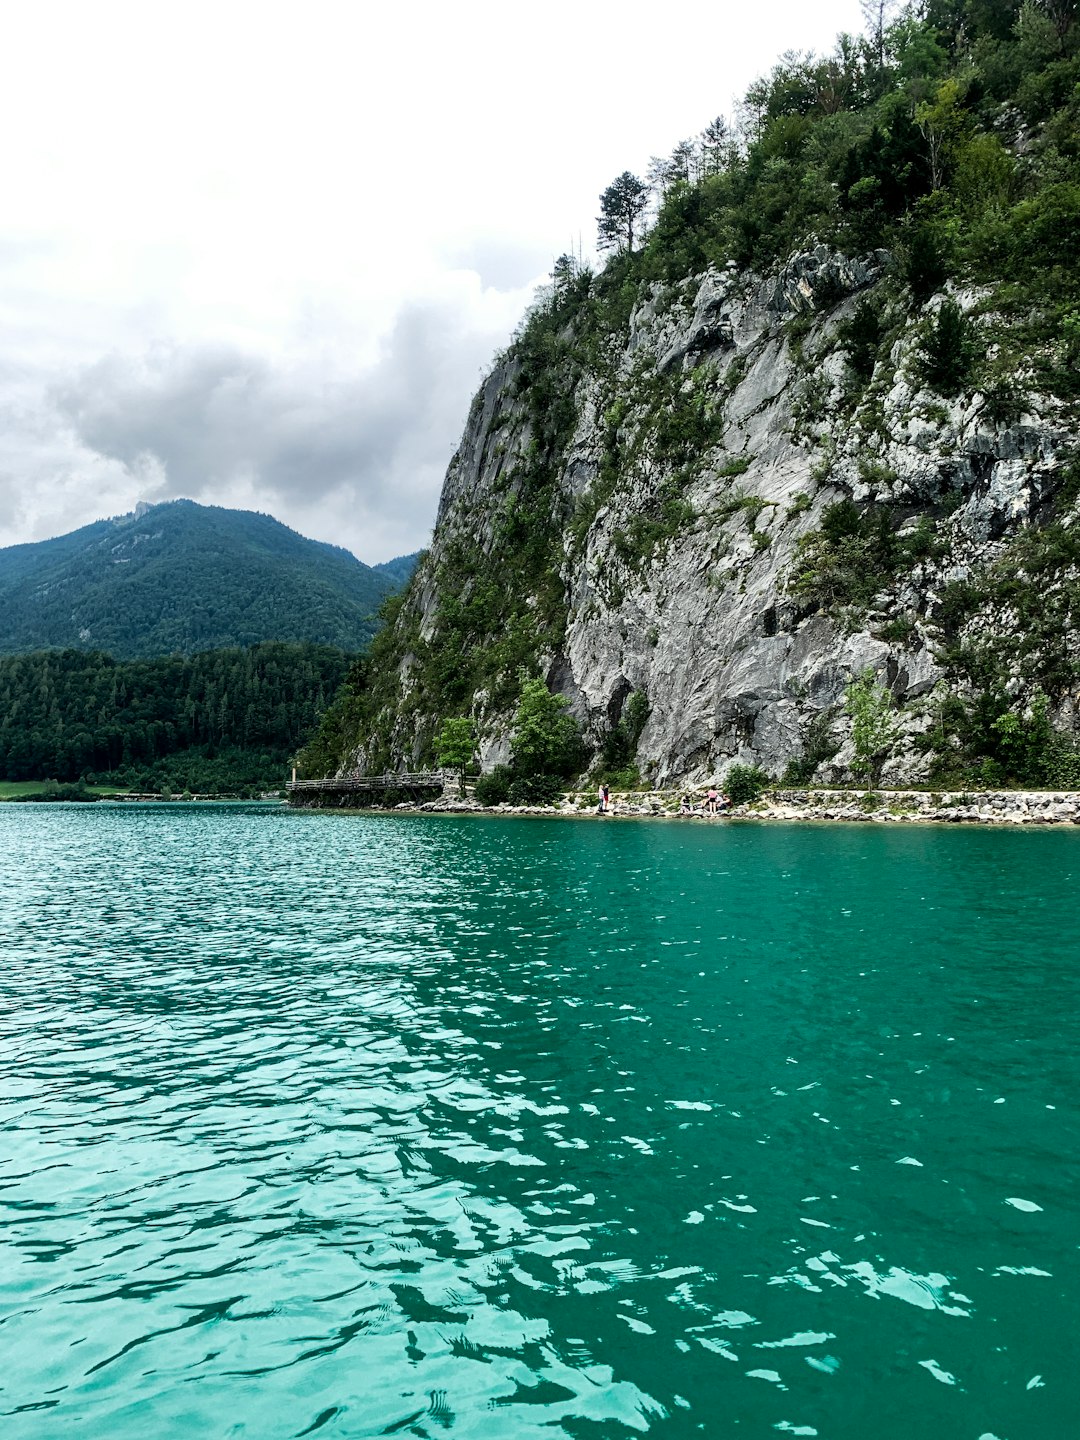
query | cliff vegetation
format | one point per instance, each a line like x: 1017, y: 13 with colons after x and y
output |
x: 812, y: 426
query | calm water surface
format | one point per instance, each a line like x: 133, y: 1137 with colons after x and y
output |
x: 369, y: 1126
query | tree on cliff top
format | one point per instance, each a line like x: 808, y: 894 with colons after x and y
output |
x: 876, y: 16
x: 622, y: 209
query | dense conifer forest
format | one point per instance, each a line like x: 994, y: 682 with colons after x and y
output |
x: 274, y: 620
x: 223, y: 722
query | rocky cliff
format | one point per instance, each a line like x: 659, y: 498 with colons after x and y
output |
x: 730, y: 479
x: 682, y: 565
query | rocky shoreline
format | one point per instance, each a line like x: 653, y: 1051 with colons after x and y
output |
x: 982, y: 807
x: 953, y: 807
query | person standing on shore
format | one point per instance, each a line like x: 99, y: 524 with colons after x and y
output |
x: 606, y: 800
x: 711, y: 799
x: 601, y: 791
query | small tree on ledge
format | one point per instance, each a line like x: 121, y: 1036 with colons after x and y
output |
x: 873, y: 728
x: 455, y: 746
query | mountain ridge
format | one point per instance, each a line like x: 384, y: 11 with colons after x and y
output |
x: 183, y: 577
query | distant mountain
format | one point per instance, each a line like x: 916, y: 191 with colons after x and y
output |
x: 400, y: 570
x: 182, y: 577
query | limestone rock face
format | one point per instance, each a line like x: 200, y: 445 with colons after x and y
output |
x: 736, y: 667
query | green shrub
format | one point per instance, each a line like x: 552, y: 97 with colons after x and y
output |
x: 687, y: 422
x: 923, y: 262
x: 1033, y: 592
x: 739, y: 466
x: 628, y: 778
x: 745, y: 783
x: 819, y: 746
x: 984, y: 175
x: 874, y: 472
x: 52, y: 790
x: 1044, y: 229
x: 535, y: 790
x: 546, y: 749
x: 856, y: 553
x: 455, y: 746
x: 896, y: 632
x: 1003, y: 401
x: 734, y: 501
x: 650, y: 530
x: 546, y: 738
x: 873, y: 726
x: 860, y: 336
x: 995, y: 744
x: 494, y: 788
x: 949, y: 351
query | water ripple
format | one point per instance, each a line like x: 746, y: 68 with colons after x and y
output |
x: 364, y: 1126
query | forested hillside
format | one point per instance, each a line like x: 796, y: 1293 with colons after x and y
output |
x: 225, y: 721
x: 814, y: 423
x: 184, y: 577
x: 399, y: 570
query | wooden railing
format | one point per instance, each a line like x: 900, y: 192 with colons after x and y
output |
x: 401, y: 780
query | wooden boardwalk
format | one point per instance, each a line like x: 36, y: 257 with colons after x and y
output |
x: 348, y: 784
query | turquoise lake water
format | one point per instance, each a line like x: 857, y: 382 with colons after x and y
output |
x: 358, y: 1126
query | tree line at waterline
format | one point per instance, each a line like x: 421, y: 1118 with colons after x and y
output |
x: 225, y: 720
x: 548, y: 749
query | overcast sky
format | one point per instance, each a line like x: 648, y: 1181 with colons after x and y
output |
x: 260, y: 254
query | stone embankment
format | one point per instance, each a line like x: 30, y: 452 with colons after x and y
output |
x: 980, y: 807
x: 983, y: 807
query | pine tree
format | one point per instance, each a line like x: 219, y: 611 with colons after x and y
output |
x: 716, y: 146
x: 622, y: 209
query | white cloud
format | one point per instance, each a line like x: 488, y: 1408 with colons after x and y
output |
x: 261, y: 253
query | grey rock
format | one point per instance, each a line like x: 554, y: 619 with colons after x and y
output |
x: 735, y: 668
